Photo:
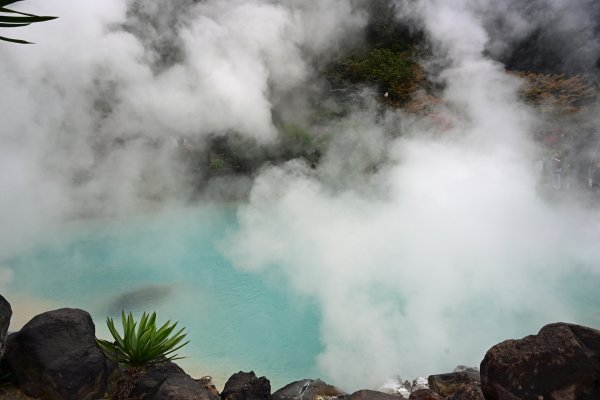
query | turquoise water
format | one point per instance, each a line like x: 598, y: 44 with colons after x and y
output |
x: 172, y: 264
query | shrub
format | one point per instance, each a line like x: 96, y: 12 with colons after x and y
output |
x: 145, y: 345
x: 394, y: 72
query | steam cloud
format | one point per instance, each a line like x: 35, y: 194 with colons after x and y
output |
x: 419, y: 264
x: 95, y: 114
x: 456, y: 251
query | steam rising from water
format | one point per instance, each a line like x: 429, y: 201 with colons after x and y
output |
x: 457, y: 250
x: 422, y: 248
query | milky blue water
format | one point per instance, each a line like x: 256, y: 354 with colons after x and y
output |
x: 173, y: 263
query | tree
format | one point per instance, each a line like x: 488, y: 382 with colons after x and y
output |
x: 14, y: 19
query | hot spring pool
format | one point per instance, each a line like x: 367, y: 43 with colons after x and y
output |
x: 172, y: 264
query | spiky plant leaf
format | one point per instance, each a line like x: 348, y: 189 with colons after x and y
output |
x: 142, y: 343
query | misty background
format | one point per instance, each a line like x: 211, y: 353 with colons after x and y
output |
x: 424, y: 237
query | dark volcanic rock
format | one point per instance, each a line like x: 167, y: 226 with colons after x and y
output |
x: 246, y: 386
x: 447, y: 384
x: 206, y: 382
x: 371, y: 395
x: 167, y: 381
x: 561, y: 362
x: 305, y: 389
x: 5, y: 314
x: 469, y: 392
x: 55, y: 356
x: 424, y: 394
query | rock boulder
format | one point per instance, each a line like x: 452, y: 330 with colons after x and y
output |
x: 167, y: 381
x: 55, y: 357
x: 561, y: 362
x: 447, y: 384
x: 246, y: 386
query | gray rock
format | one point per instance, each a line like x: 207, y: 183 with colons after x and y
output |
x: 447, y: 384
x: 561, y: 362
x: 55, y: 357
x: 464, y: 368
x: 5, y: 314
x: 307, y: 389
x: 246, y: 386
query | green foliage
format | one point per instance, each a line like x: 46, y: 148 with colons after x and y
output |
x: 302, y: 143
x: 145, y: 345
x: 14, y: 19
x: 298, y: 134
x: 393, y: 71
x: 217, y: 163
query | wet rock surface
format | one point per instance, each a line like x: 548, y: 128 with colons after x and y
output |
x: 561, y: 362
x: 55, y: 356
x: 307, y: 389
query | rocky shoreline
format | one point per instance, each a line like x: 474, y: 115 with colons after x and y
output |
x: 55, y: 356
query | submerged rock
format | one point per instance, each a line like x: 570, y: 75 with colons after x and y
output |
x: 307, y: 389
x: 246, y: 386
x: 139, y: 299
x: 447, y: 384
x: 5, y: 314
x: 55, y: 357
x: 561, y: 362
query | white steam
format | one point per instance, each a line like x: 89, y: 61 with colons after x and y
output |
x: 97, y: 112
x: 447, y: 250
x: 422, y: 250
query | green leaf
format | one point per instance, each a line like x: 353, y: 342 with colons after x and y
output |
x: 24, y: 19
x: 14, y: 40
x: 144, y: 345
x: 2, y: 25
x: 4, y: 3
x: 7, y: 10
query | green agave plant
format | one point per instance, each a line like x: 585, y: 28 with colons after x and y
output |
x: 145, y: 345
x: 14, y: 19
